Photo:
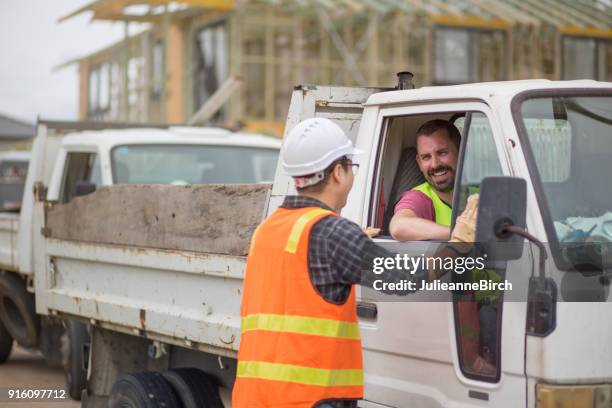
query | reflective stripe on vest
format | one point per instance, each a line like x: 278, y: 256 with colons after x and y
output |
x: 296, y: 348
x: 301, y: 324
x: 442, y: 211
x: 299, y: 374
x: 298, y: 228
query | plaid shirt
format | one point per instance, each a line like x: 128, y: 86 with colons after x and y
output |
x: 338, y: 249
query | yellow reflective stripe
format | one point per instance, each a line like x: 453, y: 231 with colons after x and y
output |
x: 300, y: 374
x: 301, y: 325
x: 298, y: 228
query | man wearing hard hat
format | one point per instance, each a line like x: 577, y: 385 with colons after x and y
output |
x: 300, y: 343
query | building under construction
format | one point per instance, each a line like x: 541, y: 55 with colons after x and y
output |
x: 248, y: 55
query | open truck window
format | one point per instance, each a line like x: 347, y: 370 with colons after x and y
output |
x: 399, y: 171
x: 477, y: 314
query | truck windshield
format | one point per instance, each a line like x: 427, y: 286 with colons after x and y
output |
x: 571, y: 140
x: 192, y: 164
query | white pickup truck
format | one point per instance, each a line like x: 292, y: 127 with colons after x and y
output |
x: 157, y: 270
x: 75, y: 159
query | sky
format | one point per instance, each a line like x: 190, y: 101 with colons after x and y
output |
x: 33, y: 43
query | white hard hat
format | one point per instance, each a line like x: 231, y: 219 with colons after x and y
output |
x: 313, y: 144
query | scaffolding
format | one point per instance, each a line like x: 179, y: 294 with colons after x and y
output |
x: 272, y: 45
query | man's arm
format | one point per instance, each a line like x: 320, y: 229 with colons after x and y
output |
x: 351, y: 253
x: 407, y: 226
x: 461, y: 242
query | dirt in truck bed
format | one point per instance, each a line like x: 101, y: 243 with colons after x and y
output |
x: 201, y: 218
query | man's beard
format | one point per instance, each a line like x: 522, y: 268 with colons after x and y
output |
x: 445, y: 186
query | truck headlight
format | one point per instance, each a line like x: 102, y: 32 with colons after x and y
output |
x: 574, y: 396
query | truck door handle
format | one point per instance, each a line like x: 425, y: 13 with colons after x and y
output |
x: 367, y: 310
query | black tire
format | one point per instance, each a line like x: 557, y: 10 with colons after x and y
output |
x: 52, y: 338
x: 6, y: 343
x: 77, y: 337
x: 143, y: 390
x: 194, y: 388
x: 18, y: 311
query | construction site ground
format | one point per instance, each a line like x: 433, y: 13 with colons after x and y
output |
x: 27, y: 369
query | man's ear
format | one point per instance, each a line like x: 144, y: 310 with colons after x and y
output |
x: 336, y: 173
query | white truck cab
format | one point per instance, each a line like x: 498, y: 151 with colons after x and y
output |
x: 551, y: 349
x: 176, y: 155
x: 556, y: 137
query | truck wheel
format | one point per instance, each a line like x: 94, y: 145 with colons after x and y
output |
x: 18, y: 312
x: 74, y: 358
x: 143, y: 390
x: 52, y: 335
x: 6, y: 343
x: 194, y: 388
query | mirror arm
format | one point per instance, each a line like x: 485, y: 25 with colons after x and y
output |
x: 514, y: 229
x: 542, y: 297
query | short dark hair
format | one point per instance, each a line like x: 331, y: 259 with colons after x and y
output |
x: 320, y: 186
x: 434, y: 125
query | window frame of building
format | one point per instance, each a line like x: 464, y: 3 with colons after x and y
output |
x: 473, y: 51
x: 96, y: 104
x: 200, y: 66
x: 158, y: 54
x: 599, y: 56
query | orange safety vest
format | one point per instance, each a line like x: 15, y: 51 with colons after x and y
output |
x: 296, y: 348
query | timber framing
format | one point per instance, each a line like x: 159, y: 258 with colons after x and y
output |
x: 272, y: 45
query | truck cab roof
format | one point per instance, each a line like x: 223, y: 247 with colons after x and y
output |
x: 482, y: 91
x: 14, y: 155
x: 107, y: 139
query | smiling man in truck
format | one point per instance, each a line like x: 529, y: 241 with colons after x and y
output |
x: 424, y: 213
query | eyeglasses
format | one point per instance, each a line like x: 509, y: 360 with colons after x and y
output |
x: 354, y: 167
x: 346, y: 162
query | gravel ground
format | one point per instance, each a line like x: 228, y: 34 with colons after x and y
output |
x: 27, y: 369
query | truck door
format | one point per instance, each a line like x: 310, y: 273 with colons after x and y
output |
x: 44, y: 151
x: 434, y: 349
x: 58, y: 176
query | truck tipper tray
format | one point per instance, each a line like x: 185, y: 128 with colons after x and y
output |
x: 217, y: 219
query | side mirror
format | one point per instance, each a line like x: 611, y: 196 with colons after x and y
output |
x: 83, y: 188
x: 503, y: 203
